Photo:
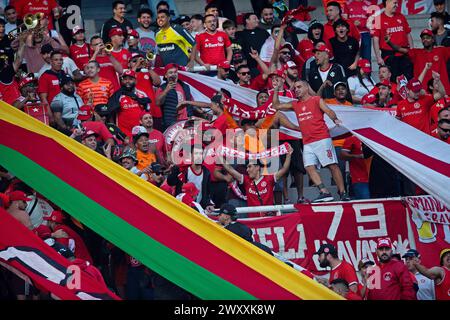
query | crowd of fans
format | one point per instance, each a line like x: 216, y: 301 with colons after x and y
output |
x: 119, y: 93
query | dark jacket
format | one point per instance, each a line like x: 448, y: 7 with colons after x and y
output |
x: 111, y: 24
x: 178, y: 176
x: 169, y: 107
x: 335, y: 75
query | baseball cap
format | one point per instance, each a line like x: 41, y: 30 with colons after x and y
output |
x: 102, y: 109
x: 115, y: 32
x: 365, y: 261
x: 228, y: 209
x: 442, y: 254
x: 182, y: 19
x: 426, y: 32
x: 43, y: 231
x: 287, y: 45
x: 76, y: 30
x: 18, y: 196
x: 190, y: 189
x: 369, y: 99
x: 321, y: 47
x: 340, y: 83
x: 27, y: 80
x: 55, y: 216
x: 170, y: 66
x: 327, y: 248
x: 84, y: 113
x: 128, y: 73
x: 414, y: 85
x: 130, y: 153
x: 384, y: 243
x: 136, y: 54
x: 364, y: 64
x: 137, y: 132
x: 133, y: 33
x: 411, y: 253
x: 65, y: 79
x: 278, y: 73
x: 290, y: 64
x: 224, y: 65
x: 385, y: 83
x: 156, y: 167
x: 89, y: 133
x: 46, y: 48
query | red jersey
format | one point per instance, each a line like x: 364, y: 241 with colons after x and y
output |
x: 395, y: 283
x: 49, y: 83
x: 211, y: 47
x: 305, y: 47
x: 99, y: 128
x: 329, y: 33
x: 345, y: 271
x: 352, y: 296
x: 144, y: 83
x: 358, y: 167
x: 435, y: 135
x: 107, y: 71
x: 417, y: 113
x: 359, y: 11
x: 81, y: 251
x: 130, y: 112
x: 9, y: 92
x: 438, y: 56
x: 80, y: 54
x: 257, y: 83
x: 396, y: 26
x: 310, y: 118
x: 443, y: 288
x: 24, y: 7
x: 157, y: 138
x: 123, y: 56
x: 438, y: 106
x: 263, y: 186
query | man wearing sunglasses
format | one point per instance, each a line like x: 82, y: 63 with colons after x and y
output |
x: 443, y: 130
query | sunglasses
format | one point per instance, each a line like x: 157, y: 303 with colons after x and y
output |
x: 445, y: 130
x: 244, y: 73
x: 285, y: 52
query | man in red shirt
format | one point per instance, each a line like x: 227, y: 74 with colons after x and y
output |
x: 212, y: 47
x: 155, y: 137
x: 392, y: 278
x: 318, y: 147
x: 415, y: 109
x: 48, y: 7
x: 440, y: 275
x: 48, y: 85
x: 334, y: 12
x: 259, y: 187
x: 109, y: 66
x: 80, y: 50
x: 392, y: 23
x: 352, y: 151
x: 437, y: 56
x: 85, y: 116
x: 442, y: 130
x: 358, y: 12
x: 245, y: 79
x: 119, y: 52
x: 340, y: 269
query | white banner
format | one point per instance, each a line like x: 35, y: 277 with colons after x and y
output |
x: 427, y: 208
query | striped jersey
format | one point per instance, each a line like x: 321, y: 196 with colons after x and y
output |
x: 174, y: 45
x: 98, y: 92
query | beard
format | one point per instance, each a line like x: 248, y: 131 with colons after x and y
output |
x: 129, y: 87
x: 324, y: 263
x: 384, y: 258
x: 68, y: 92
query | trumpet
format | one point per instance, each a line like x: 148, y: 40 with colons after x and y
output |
x: 150, y: 55
x: 30, y: 21
x: 109, y: 47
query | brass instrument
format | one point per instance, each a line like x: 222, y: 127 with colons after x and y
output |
x: 30, y: 22
x: 150, y: 55
x: 109, y: 47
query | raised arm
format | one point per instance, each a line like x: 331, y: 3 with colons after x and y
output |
x: 438, y: 86
x: 435, y: 273
x: 280, y: 173
x: 330, y: 113
x: 236, y: 175
x: 277, y: 105
x: 425, y: 71
x: 255, y: 55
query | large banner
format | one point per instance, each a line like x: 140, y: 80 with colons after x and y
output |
x: 353, y: 227
x: 430, y: 221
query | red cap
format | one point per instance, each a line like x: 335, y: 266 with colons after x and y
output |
x: 115, y: 32
x: 278, y: 73
x: 128, y: 73
x: 368, y: 99
x: 43, y: 232
x: 26, y: 81
x: 18, y: 196
x: 133, y: 33
x: 136, y: 54
x: 290, y: 64
x: 426, y: 32
x: 364, y: 64
x: 385, y: 83
x: 170, y: 66
x: 224, y: 64
x: 384, y: 243
x: 143, y: 113
x: 76, y: 30
x: 84, y: 113
x: 55, y: 216
x: 190, y: 189
x: 88, y: 134
x: 414, y: 85
x: 321, y: 47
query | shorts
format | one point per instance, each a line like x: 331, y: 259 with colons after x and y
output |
x: 296, y: 157
x: 319, y: 153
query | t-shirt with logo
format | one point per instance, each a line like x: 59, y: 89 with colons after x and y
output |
x: 174, y: 45
x: 146, y: 40
x: 397, y: 26
x: 144, y: 83
x: 345, y: 271
x: 417, y: 113
x: 197, y: 180
x: 130, y: 112
x: 157, y: 138
x: 24, y: 7
x: 9, y: 89
x: 107, y: 71
x: 358, y: 167
x: 438, y: 56
x: 310, y: 118
x: 434, y: 112
x: 49, y: 83
x: 358, y: 11
x: 99, y: 92
x: 211, y: 47
x: 123, y: 56
x: 264, y: 186
x: 80, y: 54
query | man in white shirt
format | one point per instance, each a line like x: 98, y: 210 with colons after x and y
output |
x: 69, y: 66
x: 426, y: 286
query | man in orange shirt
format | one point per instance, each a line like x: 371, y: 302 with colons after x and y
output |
x: 143, y: 155
x: 95, y: 90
